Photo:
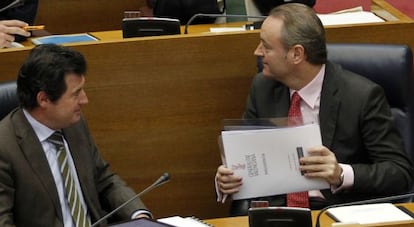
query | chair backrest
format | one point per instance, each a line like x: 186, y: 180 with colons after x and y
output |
x: 390, y: 66
x: 8, y: 98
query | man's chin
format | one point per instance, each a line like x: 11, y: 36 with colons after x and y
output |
x: 267, y: 74
x: 76, y: 117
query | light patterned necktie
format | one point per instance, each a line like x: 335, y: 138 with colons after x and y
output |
x: 78, y: 212
x: 297, y: 199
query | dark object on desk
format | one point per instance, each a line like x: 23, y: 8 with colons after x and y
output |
x: 207, y: 15
x: 265, y: 6
x: 40, y: 33
x: 280, y: 217
x: 149, y: 26
x: 257, y: 24
x: 141, y: 222
x: 185, y: 9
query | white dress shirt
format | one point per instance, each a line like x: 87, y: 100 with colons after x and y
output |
x: 43, y: 133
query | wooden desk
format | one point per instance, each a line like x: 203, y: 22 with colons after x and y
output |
x: 156, y: 104
x: 325, y: 220
x: 387, y: 11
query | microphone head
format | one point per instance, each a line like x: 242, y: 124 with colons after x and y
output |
x: 164, y: 178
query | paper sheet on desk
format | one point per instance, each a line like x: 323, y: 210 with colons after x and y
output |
x: 268, y: 159
x: 227, y: 29
x: 349, y: 18
x: 368, y: 213
x: 183, y: 222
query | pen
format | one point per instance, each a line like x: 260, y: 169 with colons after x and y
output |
x: 34, y: 27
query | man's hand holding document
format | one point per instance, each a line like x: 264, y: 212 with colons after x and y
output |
x: 268, y: 159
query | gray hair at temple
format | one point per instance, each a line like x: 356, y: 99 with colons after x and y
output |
x: 302, y: 26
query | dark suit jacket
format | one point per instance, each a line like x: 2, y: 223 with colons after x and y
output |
x: 356, y: 124
x: 28, y: 195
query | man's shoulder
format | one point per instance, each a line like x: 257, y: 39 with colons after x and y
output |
x: 345, y: 77
x: 10, y: 119
x: 12, y: 127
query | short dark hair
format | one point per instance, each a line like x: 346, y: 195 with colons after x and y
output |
x: 44, y: 70
x: 302, y: 26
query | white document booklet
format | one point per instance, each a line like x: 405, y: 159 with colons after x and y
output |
x: 368, y: 213
x: 268, y: 159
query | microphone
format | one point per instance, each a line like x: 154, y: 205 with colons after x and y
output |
x: 215, y: 16
x: 378, y: 200
x: 162, y: 180
x: 12, y: 4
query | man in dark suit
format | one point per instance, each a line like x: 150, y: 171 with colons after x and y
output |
x: 35, y: 167
x: 362, y: 156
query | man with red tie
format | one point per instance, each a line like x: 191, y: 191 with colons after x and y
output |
x: 362, y: 155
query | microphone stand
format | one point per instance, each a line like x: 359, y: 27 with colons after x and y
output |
x: 215, y: 16
x: 162, y: 180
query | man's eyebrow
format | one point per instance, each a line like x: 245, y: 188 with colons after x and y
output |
x: 77, y: 90
x: 264, y: 42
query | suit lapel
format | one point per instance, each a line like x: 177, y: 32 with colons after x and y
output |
x: 329, y: 106
x: 281, y: 101
x: 36, y: 157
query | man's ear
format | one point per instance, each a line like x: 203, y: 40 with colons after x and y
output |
x: 298, y: 53
x: 42, y: 99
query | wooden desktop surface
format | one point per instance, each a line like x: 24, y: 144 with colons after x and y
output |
x: 156, y: 104
x: 325, y: 220
x: 386, y: 10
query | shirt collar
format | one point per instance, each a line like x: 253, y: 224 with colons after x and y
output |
x: 311, y: 92
x: 41, y: 130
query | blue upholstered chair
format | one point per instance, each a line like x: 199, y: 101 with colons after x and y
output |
x: 8, y: 97
x: 390, y: 66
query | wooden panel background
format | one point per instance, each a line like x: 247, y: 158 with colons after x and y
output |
x: 155, y: 108
x: 156, y: 105
x: 77, y: 16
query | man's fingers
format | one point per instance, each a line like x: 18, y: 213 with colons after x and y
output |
x: 14, y: 27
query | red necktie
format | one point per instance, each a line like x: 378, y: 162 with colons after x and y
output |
x: 297, y: 199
